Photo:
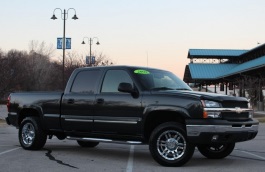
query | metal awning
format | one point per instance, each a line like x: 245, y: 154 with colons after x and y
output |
x: 209, y: 71
x: 215, y: 53
x: 200, y: 71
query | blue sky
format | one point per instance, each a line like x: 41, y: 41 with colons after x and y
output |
x: 150, y: 33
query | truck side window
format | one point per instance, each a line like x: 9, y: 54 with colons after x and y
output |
x: 112, y: 80
x: 85, y: 82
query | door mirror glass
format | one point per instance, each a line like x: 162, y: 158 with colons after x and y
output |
x: 126, y: 87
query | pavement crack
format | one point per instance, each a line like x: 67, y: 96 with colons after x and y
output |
x: 51, y: 157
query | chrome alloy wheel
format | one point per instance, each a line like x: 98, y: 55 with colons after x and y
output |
x: 171, y: 145
x: 28, y: 134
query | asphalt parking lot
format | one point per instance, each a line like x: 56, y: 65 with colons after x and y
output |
x: 66, y: 155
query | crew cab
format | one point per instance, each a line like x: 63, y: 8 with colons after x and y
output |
x: 134, y: 105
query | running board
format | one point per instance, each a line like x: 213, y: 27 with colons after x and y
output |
x: 105, y: 140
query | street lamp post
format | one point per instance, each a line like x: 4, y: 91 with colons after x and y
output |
x: 64, y: 16
x: 90, y: 45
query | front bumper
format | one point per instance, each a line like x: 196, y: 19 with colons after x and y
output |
x: 207, y: 131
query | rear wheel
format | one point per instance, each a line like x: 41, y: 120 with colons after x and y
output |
x: 31, y: 135
x: 217, y: 151
x: 169, y: 146
x: 87, y: 144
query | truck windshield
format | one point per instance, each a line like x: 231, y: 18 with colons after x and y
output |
x: 152, y: 79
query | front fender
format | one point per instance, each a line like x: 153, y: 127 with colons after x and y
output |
x: 152, y: 108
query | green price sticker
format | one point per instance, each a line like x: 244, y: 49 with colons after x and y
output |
x: 143, y: 72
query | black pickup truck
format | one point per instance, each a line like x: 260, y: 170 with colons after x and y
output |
x: 134, y: 105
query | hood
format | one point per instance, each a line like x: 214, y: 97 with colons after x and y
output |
x: 203, y: 95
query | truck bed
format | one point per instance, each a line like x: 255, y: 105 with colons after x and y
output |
x: 47, y: 104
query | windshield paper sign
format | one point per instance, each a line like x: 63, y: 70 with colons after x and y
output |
x: 140, y: 71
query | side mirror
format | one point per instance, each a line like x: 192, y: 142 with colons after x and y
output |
x: 126, y: 87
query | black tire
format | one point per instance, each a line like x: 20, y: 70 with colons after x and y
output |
x: 87, y: 144
x: 31, y: 135
x: 217, y: 151
x: 169, y: 146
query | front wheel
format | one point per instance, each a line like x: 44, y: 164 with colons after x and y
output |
x: 169, y: 146
x: 31, y: 135
x: 217, y: 151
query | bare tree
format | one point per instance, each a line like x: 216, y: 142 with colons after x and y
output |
x: 74, y: 60
x: 12, y: 71
x: 40, y: 70
x: 253, y: 86
x: 102, y: 60
x: 41, y: 48
x: 34, y: 71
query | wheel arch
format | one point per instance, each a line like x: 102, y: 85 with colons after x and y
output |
x: 31, y: 134
x: 28, y: 112
x: 156, y: 116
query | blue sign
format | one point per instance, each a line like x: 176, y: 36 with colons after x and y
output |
x: 68, y: 43
x: 60, y: 43
x: 87, y: 60
x: 91, y: 60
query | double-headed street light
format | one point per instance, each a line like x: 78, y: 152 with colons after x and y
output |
x: 64, y: 16
x: 90, y: 43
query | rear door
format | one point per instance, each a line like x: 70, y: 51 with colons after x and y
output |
x: 77, y: 104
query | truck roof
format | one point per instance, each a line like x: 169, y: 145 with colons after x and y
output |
x: 119, y: 66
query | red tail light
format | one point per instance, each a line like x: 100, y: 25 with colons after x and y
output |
x: 8, y: 103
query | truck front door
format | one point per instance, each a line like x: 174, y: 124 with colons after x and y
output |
x: 117, y: 113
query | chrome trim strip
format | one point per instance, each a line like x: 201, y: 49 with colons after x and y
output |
x: 51, y: 115
x: 196, y: 130
x: 237, y: 110
x: 12, y: 113
x: 79, y: 120
x: 105, y: 140
x: 116, y: 122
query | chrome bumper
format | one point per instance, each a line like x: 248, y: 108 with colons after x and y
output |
x: 196, y: 130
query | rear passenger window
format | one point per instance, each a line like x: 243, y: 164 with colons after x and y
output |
x: 86, y: 82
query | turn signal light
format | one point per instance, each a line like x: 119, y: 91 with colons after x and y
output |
x: 205, y: 114
x: 8, y: 103
x: 211, y: 114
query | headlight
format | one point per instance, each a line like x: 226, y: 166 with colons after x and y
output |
x: 249, y: 105
x: 210, y: 104
x: 207, y: 113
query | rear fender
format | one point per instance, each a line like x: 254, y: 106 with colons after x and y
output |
x: 30, y: 111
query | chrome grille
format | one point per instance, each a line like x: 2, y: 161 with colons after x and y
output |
x: 232, y: 116
x: 233, y: 104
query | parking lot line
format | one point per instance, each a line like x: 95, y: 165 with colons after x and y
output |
x: 2, y: 153
x: 130, y: 160
x: 252, y: 154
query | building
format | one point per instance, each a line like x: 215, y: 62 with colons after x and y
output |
x: 228, y: 69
